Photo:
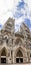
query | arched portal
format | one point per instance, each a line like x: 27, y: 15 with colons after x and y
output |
x: 3, y: 55
x: 19, y: 57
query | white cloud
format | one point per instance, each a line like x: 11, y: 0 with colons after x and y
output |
x: 7, y: 5
x: 18, y: 23
x: 28, y: 3
x: 19, y: 20
x: 27, y: 10
x: 6, y: 9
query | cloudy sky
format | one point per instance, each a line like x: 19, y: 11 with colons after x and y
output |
x: 18, y: 9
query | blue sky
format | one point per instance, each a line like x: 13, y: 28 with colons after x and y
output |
x: 23, y: 11
x: 20, y: 10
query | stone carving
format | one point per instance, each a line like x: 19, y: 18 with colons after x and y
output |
x: 13, y: 41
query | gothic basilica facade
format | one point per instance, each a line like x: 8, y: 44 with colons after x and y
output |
x: 15, y: 47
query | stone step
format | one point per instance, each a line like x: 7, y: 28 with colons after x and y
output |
x: 18, y: 64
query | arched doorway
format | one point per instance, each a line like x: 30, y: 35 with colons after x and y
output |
x: 3, y: 55
x: 19, y: 57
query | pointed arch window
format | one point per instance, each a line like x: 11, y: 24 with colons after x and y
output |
x: 3, y: 53
x: 19, y: 57
x: 3, y: 56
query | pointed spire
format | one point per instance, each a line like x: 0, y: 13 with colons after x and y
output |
x: 9, y: 25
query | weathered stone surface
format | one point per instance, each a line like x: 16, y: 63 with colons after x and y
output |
x: 12, y: 42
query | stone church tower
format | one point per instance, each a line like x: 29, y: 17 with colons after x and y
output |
x: 15, y: 47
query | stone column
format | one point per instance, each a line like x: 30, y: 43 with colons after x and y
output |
x: 13, y: 57
x: 10, y: 57
x: 28, y: 56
